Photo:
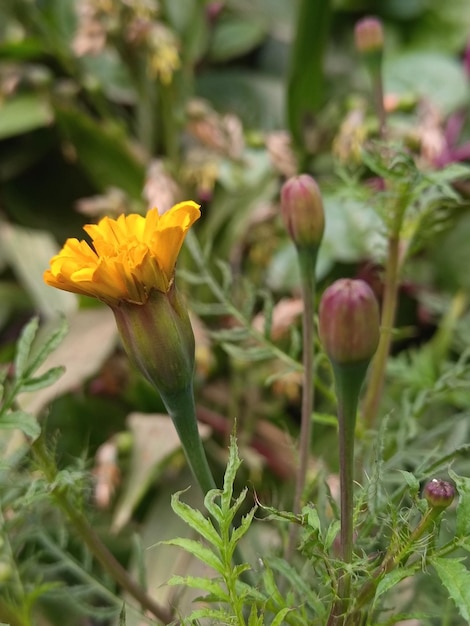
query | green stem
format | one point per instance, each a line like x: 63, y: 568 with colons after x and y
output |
x: 182, y: 410
x: 307, y: 263
x: 379, y: 363
x: 348, y: 380
x: 91, y: 539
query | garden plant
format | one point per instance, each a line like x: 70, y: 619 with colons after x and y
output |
x: 234, y: 312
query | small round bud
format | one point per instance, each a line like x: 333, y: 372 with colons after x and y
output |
x: 369, y: 35
x: 439, y: 493
x: 349, y: 322
x: 302, y: 211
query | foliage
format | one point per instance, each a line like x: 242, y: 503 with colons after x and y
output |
x: 110, y: 107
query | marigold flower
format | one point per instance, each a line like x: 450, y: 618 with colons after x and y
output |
x: 128, y: 258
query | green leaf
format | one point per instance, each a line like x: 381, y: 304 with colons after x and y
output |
x: 279, y: 618
x: 196, y: 520
x: 24, y: 113
x: 22, y: 421
x: 393, y: 578
x: 456, y: 579
x: 44, y: 380
x: 23, y: 348
x: 233, y: 464
x: 411, y: 481
x: 48, y: 346
x: 234, y: 36
x: 463, y: 508
x: 103, y: 151
x: 305, y: 82
x: 204, y: 584
x: 332, y: 533
x: 199, y: 551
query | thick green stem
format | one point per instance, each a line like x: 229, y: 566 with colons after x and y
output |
x: 379, y: 363
x: 307, y: 263
x: 90, y: 538
x: 348, y: 379
x: 182, y: 411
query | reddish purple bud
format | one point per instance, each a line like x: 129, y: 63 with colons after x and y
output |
x: 369, y: 35
x: 439, y: 493
x: 349, y: 322
x: 302, y: 211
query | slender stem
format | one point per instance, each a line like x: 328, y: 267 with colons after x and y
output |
x: 378, y: 92
x: 307, y: 263
x: 91, y: 539
x: 348, y: 379
x: 379, y: 363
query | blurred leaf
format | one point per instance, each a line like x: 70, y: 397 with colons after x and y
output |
x: 19, y: 420
x: 21, y: 50
x: 103, y: 151
x: 23, y: 113
x: 463, y: 508
x: 147, y: 459
x: 89, y: 341
x: 23, y: 348
x: 256, y: 98
x: 451, y: 256
x: 111, y: 74
x: 188, y: 18
x: 234, y: 36
x: 305, y: 92
x: 432, y: 75
x: 28, y: 252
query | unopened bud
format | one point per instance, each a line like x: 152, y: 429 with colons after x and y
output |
x: 369, y: 35
x: 439, y: 493
x: 302, y: 211
x: 349, y: 322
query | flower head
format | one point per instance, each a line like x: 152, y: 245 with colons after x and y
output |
x: 128, y: 258
x: 302, y: 211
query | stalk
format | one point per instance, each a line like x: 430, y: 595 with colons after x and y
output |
x: 308, y: 354
x: 93, y: 542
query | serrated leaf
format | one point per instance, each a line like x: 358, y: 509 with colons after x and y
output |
x: 196, y: 520
x: 233, y: 464
x: 23, y: 348
x: 220, y: 616
x: 463, y: 508
x: 48, y: 346
x: 332, y: 533
x: 44, y: 380
x: 199, y: 551
x: 393, y: 578
x: 204, y: 584
x: 22, y: 421
x: 456, y: 579
x: 245, y: 524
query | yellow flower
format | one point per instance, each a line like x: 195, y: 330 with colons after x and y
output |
x: 128, y: 257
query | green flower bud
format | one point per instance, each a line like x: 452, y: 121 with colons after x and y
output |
x: 439, y: 493
x: 302, y: 211
x: 369, y: 35
x: 349, y: 322
x: 159, y: 340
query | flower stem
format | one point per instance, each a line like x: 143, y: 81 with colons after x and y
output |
x: 182, y: 411
x: 379, y: 363
x: 93, y: 542
x: 307, y: 270
x: 348, y: 379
